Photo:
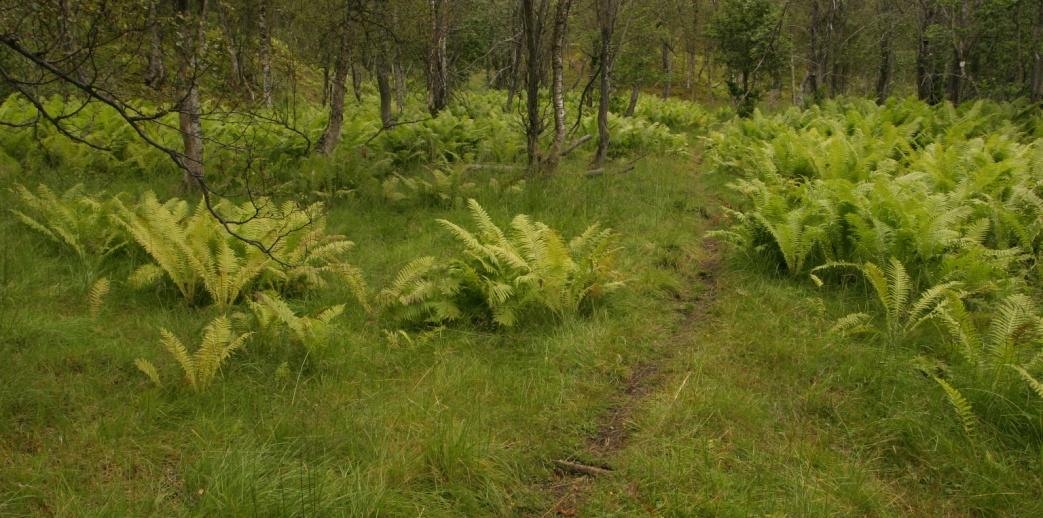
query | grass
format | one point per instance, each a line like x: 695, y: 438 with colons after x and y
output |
x: 759, y: 410
x: 766, y: 413
x: 459, y: 424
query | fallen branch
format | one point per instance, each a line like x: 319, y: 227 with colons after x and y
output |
x: 577, y: 143
x: 629, y: 166
x: 494, y: 167
x: 582, y: 469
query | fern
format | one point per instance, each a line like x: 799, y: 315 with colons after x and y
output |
x: 75, y: 221
x: 904, y: 310
x: 272, y: 313
x: 200, y: 367
x: 963, y: 408
x: 149, y: 370
x: 1010, y: 344
x: 1031, y: 380
x: 309, y: 255
x: 198, y: 255
x: 498, y: 275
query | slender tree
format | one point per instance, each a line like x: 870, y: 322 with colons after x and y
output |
x: 331, y: 134
x: 561, y: 25
x: 607, y: 13
x: 437, y: 58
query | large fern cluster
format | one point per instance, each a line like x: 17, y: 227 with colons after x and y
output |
x: 499, y: 275
x: 190, y: 250
x: 948, y: 199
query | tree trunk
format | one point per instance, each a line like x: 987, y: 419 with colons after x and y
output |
x: 356, y: 81
x: 156, y: 73
x: 532, y: 23
x: 561, y: 24
x: 667, y: 69
x: 384, y: 89
x: 514, y: 68
x: 193, y: 39
x: 383, y: 73
x: 331, y: 135
x: 264, y: 30
x: 887, y: 59
x: 437, y: 61
x: 958, y: 65
x: 237, y: 77
x: 689, y: 70
x: 811, y: 82
x: 632, y: 105
x: 400, y: 86
x: 606, y: 14
x: 1037, y: 55
x: 926, y: 86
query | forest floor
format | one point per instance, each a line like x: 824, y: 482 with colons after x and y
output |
x: 708, y: 386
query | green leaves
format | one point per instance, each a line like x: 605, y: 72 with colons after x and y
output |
x: 194, y: 252
x: 937, y: 208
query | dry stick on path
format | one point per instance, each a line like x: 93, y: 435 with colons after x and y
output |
x: 581, y: 469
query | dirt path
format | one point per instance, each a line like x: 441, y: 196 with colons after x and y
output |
x: 574, y: 475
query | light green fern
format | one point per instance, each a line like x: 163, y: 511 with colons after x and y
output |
x: 904, y: 309
x: 273, y: 313
x: 194, y: 252
x: 963, y: 408
x: 500, y: 274
x: 199, y: 367
x: 75, y: 221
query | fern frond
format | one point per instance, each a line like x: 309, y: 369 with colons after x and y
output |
x: 176, y: 349
x: 1033, y: 383
x: 96, y: 296
x: 963, y: 408
x: 899, y: 285
x: 147, y: 368
x: 145, y: 275
x: 855, y: 323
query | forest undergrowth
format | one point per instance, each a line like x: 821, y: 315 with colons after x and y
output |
x: 812, y: 312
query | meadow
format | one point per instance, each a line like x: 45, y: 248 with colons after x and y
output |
x: 807, y: 312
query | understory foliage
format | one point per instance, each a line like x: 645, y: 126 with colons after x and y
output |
x: 499, y: 275
x: 275, y: 316
x: 948, y: 198
x: 73, y: 220
x: 904, y: 309
x: 196, y: 253
x: 201, y: 366
x: 1000, y: 368
x: 189, y: 249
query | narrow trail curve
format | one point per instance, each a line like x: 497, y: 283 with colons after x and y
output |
x: 572, y: 481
